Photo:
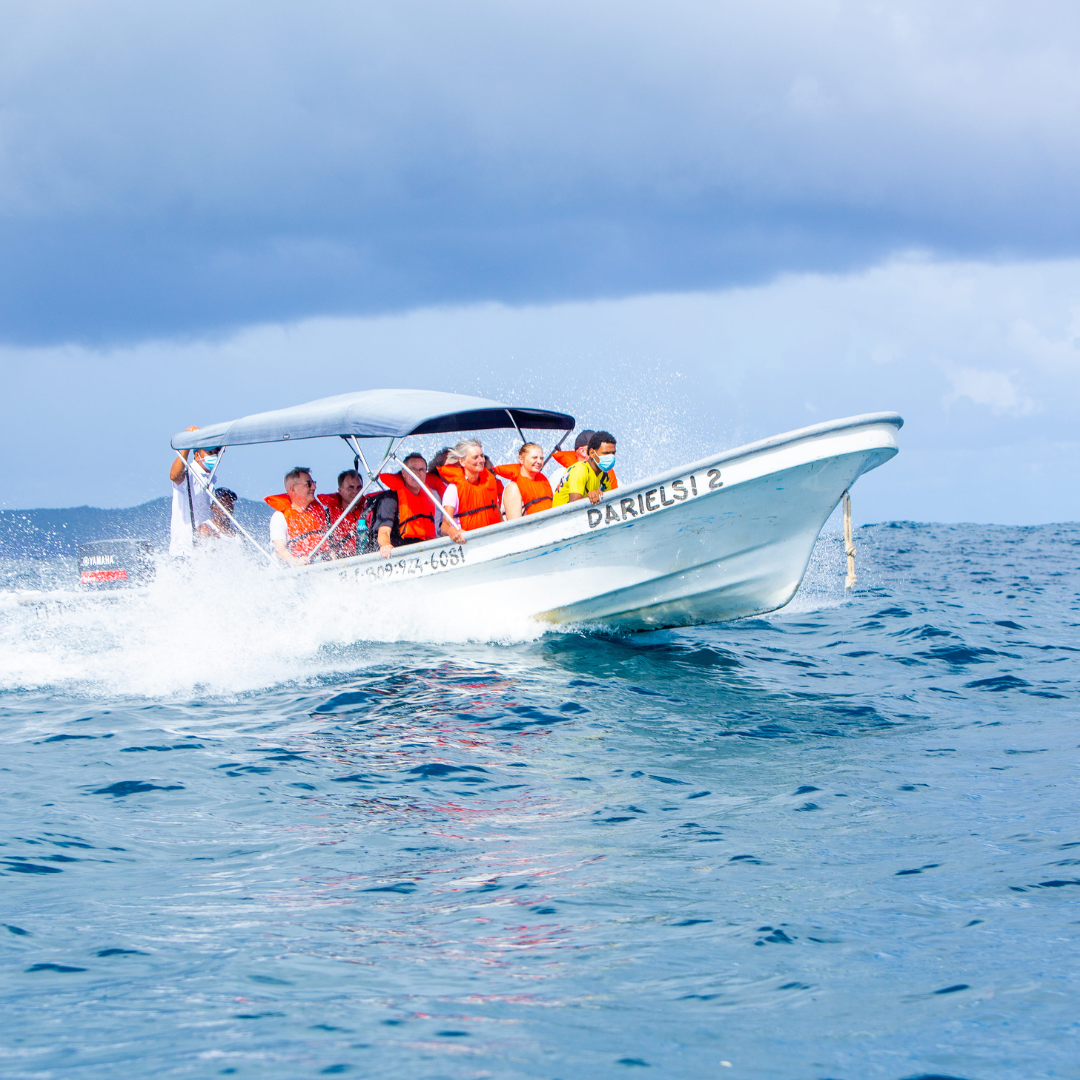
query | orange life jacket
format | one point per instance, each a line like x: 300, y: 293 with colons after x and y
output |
x: 569, y: 457
x: 478, y: 504
x: 306, y: 527
x: 435, y: 482
x: 416, y: 517
x: 343, y: 539
x: 535, y: 494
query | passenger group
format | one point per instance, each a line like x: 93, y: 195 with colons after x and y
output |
x: 459, y: 491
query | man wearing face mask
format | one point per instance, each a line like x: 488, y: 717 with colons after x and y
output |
x: 190, y: 496
x: 589, y: 479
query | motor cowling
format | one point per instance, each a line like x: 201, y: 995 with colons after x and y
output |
x: 115, y: 564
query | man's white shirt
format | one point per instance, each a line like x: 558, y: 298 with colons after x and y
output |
x: 180, y: 540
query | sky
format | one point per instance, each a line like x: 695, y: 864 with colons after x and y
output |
x: 710, y: 222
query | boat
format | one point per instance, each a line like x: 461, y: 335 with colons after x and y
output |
x: 725, y: 537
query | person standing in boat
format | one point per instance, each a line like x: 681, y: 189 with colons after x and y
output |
x: 344, y: 540
x: 472, y: 496
x: 528, y: 490
x: 589, y: 479
x: 405, y: 514
x: 300, y: 520
x: 191, y: 502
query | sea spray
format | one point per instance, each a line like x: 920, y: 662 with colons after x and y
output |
x: 222, y: 622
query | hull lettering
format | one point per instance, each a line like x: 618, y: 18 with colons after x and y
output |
x: 443, y: 559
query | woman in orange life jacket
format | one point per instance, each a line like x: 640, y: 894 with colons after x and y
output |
x: 528, y: 491
x: 471, y: 499
x: 300, y: 520
x: 407, y: 516
x: 566, y: 458
x: 344, y: 541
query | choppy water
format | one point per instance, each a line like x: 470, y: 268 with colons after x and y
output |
x: 838, y: 842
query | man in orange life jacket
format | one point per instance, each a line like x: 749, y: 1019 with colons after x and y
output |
x: 300, y: 521
x: 528, y: 490
x: 405, y: 514
x: 343, y: 540
x: 472, y: 496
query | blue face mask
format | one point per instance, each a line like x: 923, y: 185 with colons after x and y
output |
x: 606, y: 462
x: 209, y: 462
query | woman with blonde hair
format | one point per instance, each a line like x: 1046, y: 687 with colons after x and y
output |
x: 472, y: 496
x: 528, y: 490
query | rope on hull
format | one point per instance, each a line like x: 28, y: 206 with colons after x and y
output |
x: 849, y: 545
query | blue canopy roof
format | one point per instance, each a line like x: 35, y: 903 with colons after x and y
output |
x: 373, y: 414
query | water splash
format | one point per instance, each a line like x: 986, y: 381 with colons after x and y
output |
x: 222, y: 624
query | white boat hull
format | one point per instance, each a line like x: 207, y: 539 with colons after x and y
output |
x: 724, y: 538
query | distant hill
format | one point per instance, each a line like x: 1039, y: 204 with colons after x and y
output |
x: 48, y: 534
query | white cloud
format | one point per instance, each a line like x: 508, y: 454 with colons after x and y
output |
x: 992, y: 388
x: 1055, y: 350
x: 674, y: 375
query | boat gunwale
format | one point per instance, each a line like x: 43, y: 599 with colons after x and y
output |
x: 735, y: 454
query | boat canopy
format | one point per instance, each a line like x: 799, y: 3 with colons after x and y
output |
x: 369, y: 414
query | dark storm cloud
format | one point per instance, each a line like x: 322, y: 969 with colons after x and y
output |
x: 177, y: 169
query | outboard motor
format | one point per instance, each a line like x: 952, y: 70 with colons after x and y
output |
x: 115, y: 564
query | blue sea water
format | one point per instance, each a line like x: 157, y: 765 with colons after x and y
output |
x: 840, y: 841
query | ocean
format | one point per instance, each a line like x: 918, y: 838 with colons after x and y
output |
x: 295, y: 839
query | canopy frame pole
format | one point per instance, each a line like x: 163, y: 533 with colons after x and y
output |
x: 354, y: 446
x: 555, y: 448
x: 517, y: 426
x: 359, y: 453
x: 333, y: 528
x: 190, y: 500
x: 213, y: 471
x: 214, y: 499
x: 372, y: 476
x: 209, y: 487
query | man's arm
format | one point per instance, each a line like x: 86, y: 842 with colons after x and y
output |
x: 176, y: 472
x: 279, y: 534
x: 576, y: 480
x: 285, y: 555
x: 386, y: 549
x: 385, y: 515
